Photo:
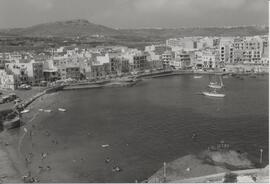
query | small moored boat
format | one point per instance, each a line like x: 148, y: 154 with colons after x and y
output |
x: 48, y: 110
x: 12, y: 123
x: 25, y: 111
x: 105, y: 145
x: 62, y: 110
x: 197, y: 77
x: 116, y: 169
x: 214, y: 94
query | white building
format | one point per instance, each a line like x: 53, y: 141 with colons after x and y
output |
x: 166, y: 57
x: 7, y: 81
x: 209, y: 59
x: 27, y: 71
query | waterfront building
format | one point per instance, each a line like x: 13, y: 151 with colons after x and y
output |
x: 73, y: 72
x: 209, y: 59
x: 98, y: 71
x: 139, y: 62
x: 152, y: 56
x: 226, y: 51
x: 155, y: 64
x: 69, y: 67
x: 265, y: 56
x: 167, y: 57
x: 102, y: 59
x: 243, y: 68
x: 26, y: 71
x: 7, y: 81
x: 241, y: 50
x: 196, y: 59
x: 182, y: 60
x: 158, y: 49
x: 119, y: 66
x: 50, y: 71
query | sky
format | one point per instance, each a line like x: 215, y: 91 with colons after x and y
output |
x: 136, y: 13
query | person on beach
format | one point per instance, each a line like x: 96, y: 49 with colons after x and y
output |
x: 54, y: 141
x: 27, y: 161
x: 41, y: 169
x: 31, y: 155
x: 27, y: 177
x: 194, y: 136
x: 30, y: 133
x: 47, y: 133
x: 43, y: 156
x: 48, y: 168
x: 107, y: 160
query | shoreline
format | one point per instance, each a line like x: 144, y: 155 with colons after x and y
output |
x: 11, y: 142
x: 137, y: 78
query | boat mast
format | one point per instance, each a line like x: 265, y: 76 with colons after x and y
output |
x: 221, y: 82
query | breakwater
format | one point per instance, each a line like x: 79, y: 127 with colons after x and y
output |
x: 102, y: 84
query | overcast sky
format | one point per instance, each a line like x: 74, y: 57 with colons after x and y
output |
x: 135, y: 13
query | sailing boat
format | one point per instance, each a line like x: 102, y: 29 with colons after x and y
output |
x: 214, y: 86
x: 213, y: 93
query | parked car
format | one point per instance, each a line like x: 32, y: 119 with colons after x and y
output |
x: 25, y: 86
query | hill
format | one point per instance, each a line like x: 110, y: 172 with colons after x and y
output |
x: 85, y: 29
x: 71, y: 28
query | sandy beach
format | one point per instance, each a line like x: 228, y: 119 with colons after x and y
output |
x: 11, y: 156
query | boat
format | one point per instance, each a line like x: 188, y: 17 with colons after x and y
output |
x: 12, y: 123
x: 216, y: 85
x: 105, y: 145
x: 41, y: 110
x: 214, y: 94
x: 197, y: 77
x: 107, y: 160
x: 213, y: 87
x: 116, y: 169
x: 62, y: 110
x: 25, y: 111
x: 48, y: 110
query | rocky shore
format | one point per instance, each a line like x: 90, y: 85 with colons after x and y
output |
x: 206, y: 166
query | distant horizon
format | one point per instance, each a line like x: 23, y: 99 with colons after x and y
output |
x: 136, y: 14
x: 77, y: 19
